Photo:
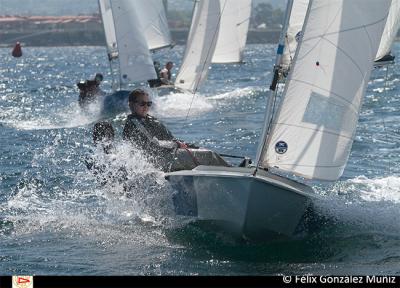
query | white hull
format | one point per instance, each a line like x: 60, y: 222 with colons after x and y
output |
x: 265, y: 205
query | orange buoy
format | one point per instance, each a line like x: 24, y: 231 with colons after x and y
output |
x: 17, y: 51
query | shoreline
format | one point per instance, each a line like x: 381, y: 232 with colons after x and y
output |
x: 96, y: 37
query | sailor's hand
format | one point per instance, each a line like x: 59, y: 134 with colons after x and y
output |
x: 181, y: 144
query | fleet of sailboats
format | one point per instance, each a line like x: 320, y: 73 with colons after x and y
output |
x: 217, y: 34
x: 326, y: 54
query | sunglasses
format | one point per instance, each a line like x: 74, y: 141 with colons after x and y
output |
x: 144, y: 103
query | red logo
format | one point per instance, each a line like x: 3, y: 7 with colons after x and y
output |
x: 23, y: 280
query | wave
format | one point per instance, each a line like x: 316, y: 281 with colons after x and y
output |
x: 97, y: 204
x: 363, y: 205
x: 70, y: 116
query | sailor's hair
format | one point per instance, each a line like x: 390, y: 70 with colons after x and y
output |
x: 99, y: 77
x: 136, y: 93
x: 103, y: 131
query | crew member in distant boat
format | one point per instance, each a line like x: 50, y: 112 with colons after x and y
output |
x: 146, y: 132
x: 156, y: 82
x: 90, y: 89
x: 165, y: 74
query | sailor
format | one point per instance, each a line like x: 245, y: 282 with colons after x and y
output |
x: 90, y: 89
x: 165, y: 74
x: 107, y: 170
x: 156, y: 82
x: 147, y: 133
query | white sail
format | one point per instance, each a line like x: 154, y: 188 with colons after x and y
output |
x: 135, y: 59
x: 313, y: 131
x: 154, y: 23
x: 294, y: 29
x: 390, y: 32
x: 109, y: 29
x: 232, y: 36
x: 200, y: 45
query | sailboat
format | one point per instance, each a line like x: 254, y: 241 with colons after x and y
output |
x: 384, y: 57
x: 200, y: 46
x: 217, y: 34
x: 133, y: 29
x: 308, y: 132
x: 233, y: 29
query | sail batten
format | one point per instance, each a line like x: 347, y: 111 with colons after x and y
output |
x: 313, y: 131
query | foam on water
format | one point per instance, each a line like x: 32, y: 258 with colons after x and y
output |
x: 180, y: 104
x: 66, y: 117
x: 237, y: 93
x: 107, y: 204
x: 366, y: 205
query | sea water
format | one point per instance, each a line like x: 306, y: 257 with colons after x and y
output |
x: 57, y: 218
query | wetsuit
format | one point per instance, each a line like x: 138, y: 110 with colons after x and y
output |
x: 153, y: 137
x: 157, y: 141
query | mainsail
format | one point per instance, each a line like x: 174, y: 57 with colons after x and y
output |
x: 154, y: 23
x: 200, y: 45
x: 232, y: 36
x: 313, y: 131
x: 135, y: 59
x: 390, y: 32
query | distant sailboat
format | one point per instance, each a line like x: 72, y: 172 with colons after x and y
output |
x: 389, y: 34
x: 153, y: 20
x: 132, y: 29
x: 200, y: 45
x: 233, y: 29
x: 309, y: 134
x: 217, y: 34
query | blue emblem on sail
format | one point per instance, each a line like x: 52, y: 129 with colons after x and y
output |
x: 298, y: 36
x: 281, y: 147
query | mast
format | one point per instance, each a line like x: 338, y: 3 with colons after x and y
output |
x: 272, y: 88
